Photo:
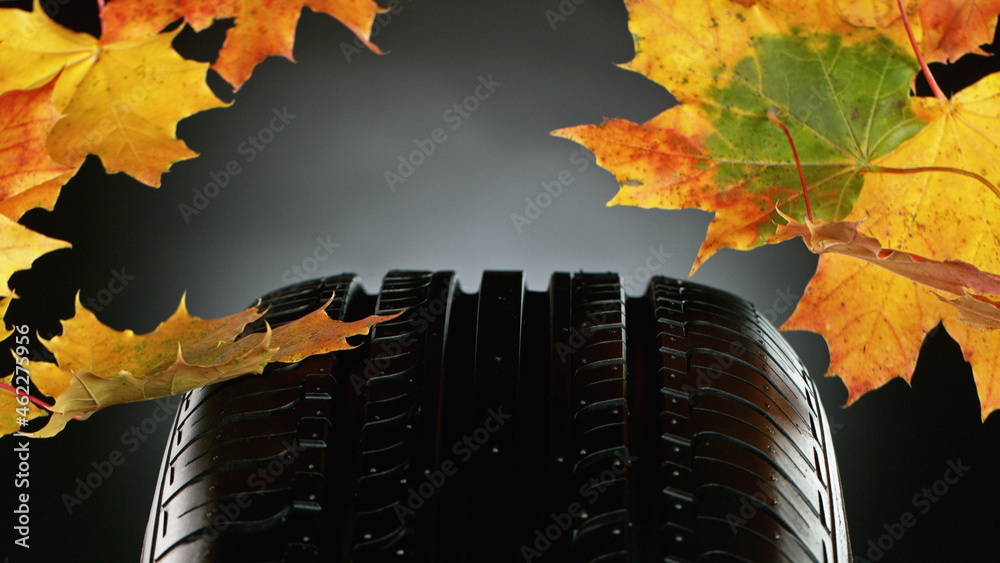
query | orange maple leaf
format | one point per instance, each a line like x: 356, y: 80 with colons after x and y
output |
x: 97, y: 366
x: 874, y: 322
x: 263, y: 27
x: 120, y: 101
x: 26, y: 169
x: 28, y: 175
x: 952, y: 28
x: 946, y: 30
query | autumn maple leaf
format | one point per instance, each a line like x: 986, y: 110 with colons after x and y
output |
x: 28, y: 176
x: 119, y: 100
x: 937, y: 215
x: 947, y: 29
x: 843, y: 89
x: 14, y: 413
x: 952, y: 28
x: 26, y: 118
x: 97, y: 366
x: 23, y: 163
x: 262, y: 27
x: 16, y: 408
x: 844, y: 237
x: 916, y: 170
x: 974, y: 294
x: 64, y: 95
x: 20, y: 246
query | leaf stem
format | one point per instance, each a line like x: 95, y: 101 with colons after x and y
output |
x: 31, y: 398
x: 920, y: 57
x: 916, y: 169
x: 772, y: 115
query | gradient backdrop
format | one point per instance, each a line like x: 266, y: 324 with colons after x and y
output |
x: 348, y: 117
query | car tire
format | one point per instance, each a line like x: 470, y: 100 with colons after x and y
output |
x: 572, y: 424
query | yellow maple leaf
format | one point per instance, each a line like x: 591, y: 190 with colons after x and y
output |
x: 937, y: 214
x: 97, y: 366
x: 874, y: 320
x: 20, y: 246
x: 120, y: 101
x: 262, y: 28
x: 15, y: 412
x: 940, y: 214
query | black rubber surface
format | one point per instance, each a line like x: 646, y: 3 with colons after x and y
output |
x: 566, y: 425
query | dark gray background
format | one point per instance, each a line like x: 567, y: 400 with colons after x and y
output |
x: 323, y: 176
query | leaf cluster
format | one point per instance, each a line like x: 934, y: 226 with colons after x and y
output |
x: 65, y: 95
x: 839, y: 77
